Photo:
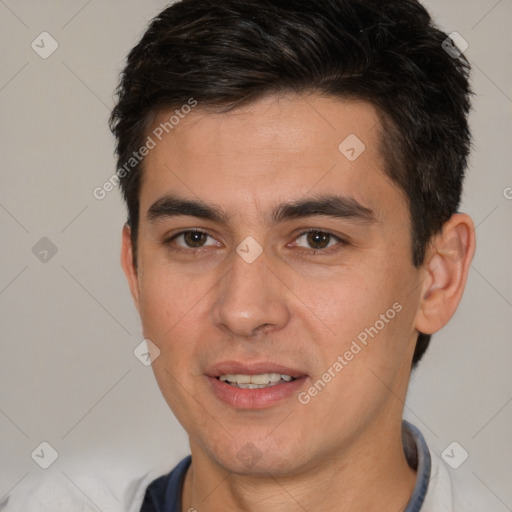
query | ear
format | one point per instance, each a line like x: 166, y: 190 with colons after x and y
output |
x: 445, y: 273
x: 127, y: 263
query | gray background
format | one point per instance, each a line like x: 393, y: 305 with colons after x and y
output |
x: 68, y: 375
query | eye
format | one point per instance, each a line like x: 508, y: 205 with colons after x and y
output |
x: 192, y: 239
x: 317, y: 240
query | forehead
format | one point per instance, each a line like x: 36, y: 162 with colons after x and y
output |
x: 284, y: 124
x: 278, y: 148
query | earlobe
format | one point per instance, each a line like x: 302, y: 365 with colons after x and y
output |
x: 128, y: 266
x: 446, y: 267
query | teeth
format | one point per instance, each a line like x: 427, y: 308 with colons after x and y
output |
x: 255, y: 381
x: 264, y: 378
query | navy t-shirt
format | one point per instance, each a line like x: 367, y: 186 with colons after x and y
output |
x: 164, y: 493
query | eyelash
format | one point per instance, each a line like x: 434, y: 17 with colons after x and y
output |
x: 340, y: 242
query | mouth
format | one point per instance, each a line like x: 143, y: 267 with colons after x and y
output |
x: 255, y: 385
x: 259, y: 381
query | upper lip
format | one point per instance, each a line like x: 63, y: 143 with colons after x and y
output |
x: 251, y: 368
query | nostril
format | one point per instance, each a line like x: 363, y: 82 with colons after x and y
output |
x: 264, y: 328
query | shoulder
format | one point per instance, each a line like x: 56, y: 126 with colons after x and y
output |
x: 112, y: 491
x: 164, y: 493
x: 118, y: 490
x: 457, y: 490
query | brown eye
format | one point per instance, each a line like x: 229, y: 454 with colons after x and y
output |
x: 317, y: 240
x: 192, y: 239
x: 195, y: 238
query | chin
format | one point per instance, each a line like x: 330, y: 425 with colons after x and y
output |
x: 258, y: 455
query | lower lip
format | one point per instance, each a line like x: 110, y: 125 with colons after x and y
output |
x: 255, y: 398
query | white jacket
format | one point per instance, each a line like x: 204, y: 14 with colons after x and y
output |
x: 449, y: 490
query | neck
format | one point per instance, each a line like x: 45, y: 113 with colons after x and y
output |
x: 372, y: 475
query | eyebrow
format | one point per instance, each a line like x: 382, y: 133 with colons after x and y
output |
x: 341, y: 207
x: 172, y: 206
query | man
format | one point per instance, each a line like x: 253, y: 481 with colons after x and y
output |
x: 294, y: 173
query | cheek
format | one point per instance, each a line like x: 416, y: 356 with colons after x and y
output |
x: 163, y: 308
x: 175, y: 312
x: 340, y: 303
x: 359, y: 312
x: 170, y: 310
x: 167, y: 296
x: 366, y: 353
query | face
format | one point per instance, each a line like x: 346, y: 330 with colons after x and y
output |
x: 275, y: 278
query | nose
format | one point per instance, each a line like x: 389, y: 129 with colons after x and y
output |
x: 251, y: 299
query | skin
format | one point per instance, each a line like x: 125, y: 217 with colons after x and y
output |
x: 293, y: 305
